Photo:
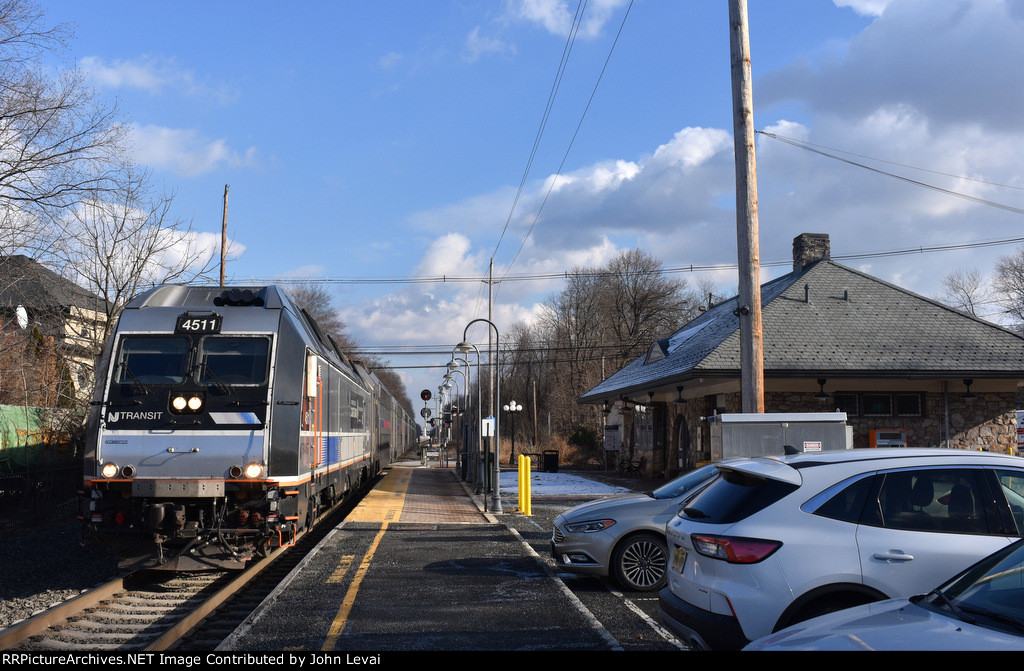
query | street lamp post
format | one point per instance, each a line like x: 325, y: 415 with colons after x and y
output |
x: 463, y: 443
x: 495, y: 493
x: 455, y: 365
x: 512, y: 408
x: 465, y: 346
x: 440, y: 417
x: 449, y: 383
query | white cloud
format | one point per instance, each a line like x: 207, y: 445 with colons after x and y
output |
x: 448, y: 256
x: 390, y: 60
x: 478, y: 45
x: 155, y: 76
x: 185, y: 151
x: 926, y: 85
x: 864, y: 7
x: 954, y: 62
x: 556, y: 16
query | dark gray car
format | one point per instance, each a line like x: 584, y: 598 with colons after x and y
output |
x: 623, y: 537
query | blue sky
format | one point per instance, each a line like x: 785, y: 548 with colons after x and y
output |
x: 388, y: 139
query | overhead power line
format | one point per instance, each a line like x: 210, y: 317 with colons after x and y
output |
x: 691, y: 268
x: 569, y: 42
x: 804, y: 144
x: 572, y: 141
x: 949, y: 192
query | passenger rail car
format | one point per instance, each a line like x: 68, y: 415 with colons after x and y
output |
x: 223, y: 422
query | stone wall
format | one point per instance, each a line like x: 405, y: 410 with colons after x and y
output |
x: 987, y: 422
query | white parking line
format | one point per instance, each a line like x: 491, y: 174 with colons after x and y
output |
x: 550, y: 567
x: 664, y: 633
x: 612, y: 643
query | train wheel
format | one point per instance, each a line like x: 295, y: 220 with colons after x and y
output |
x: 310, y: 513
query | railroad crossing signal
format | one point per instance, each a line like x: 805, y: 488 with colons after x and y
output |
x: 425, y: 394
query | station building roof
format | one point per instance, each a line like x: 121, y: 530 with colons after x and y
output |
x: 825, y: 320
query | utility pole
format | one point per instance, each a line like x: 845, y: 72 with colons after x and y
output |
x: 748, y: 307
x: 490, y: 341
x: 224, y: 235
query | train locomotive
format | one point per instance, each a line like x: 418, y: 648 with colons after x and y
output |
x: 224, y: 421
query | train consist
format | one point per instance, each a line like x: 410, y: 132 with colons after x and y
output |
x: 223, y: 422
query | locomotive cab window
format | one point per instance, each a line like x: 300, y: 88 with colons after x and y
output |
x: 233, y: 360
x: 152, y: 360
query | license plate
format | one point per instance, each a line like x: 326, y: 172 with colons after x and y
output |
x: 678, y: 560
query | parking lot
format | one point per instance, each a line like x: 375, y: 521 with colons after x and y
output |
x: 630, y: 618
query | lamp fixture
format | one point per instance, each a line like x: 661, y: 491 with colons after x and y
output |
x: 821, y: 395
x: 680, y: 390
x: 969, y: 395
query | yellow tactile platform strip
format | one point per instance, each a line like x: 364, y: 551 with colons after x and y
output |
x: 421, y: 495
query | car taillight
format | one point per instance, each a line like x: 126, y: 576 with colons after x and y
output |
x: 734, y: 550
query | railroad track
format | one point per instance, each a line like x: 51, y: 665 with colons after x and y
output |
x: 162, y: 610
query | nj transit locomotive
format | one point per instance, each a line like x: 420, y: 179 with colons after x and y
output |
x: 223, y: 422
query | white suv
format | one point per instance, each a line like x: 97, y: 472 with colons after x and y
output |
x: 776, y: 540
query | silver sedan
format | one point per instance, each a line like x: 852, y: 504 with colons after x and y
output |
x: 623, y: 537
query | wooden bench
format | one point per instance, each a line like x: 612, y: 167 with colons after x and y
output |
x: 635, y: 466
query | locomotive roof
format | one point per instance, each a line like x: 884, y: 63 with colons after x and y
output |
x: 183, y: 295
x: 270, y: 297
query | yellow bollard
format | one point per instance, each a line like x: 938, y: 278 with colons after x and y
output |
x: 519, y: 482
x: 524, y: 485
x: 529, y: 487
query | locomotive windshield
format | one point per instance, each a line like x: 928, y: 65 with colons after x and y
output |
x: 233, y: 360
x: 219, y: 360
x: 152, y: 360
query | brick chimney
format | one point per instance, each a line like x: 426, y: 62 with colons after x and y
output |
x: 808, y: 248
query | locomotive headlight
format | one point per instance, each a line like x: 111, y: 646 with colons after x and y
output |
x: 253, y: 470
x: 108, y: 470
x: 185, y: 404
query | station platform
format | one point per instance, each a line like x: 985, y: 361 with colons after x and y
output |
x: 420, y: 566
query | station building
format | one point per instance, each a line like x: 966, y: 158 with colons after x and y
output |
x: 37, y: 303
x: 904, y: 368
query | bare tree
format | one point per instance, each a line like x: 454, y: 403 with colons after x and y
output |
x: 575, y: 326
x: 317, y: 301
x: 706, y: 292
x: 966, y: 290
x: 641, y: 303
x: 125, y: 240
x: 602, y: 319
x: 527, y: 371
x: 58, y: 143
x: 1009, y: 285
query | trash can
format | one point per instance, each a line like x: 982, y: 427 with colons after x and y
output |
x: 550, y: 461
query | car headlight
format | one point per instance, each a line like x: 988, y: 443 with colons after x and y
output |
x: 590, y: 526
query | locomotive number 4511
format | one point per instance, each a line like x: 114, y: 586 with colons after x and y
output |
x: 187, y: 323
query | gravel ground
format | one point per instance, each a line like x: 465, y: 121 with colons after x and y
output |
x: 44, y: 565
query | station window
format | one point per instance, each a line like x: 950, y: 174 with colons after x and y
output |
x: 880, y: 404
x: 877, y: 405
x: 909, y: 405
x: 848, y: 403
